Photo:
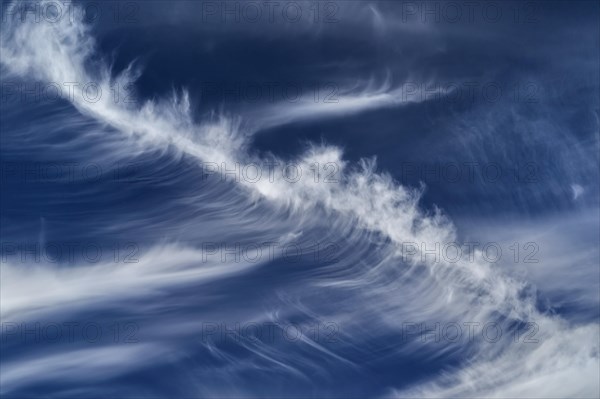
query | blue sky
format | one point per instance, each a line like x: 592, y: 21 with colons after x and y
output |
x: 350, y: 199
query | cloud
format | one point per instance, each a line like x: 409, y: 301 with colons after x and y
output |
x: 385, y: 212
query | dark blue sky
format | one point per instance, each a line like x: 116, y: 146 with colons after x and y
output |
x: 438, y: 123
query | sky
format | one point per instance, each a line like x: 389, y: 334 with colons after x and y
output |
x: 299, y: 199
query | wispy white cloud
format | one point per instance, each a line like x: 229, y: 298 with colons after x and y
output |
x: 361, y: 197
